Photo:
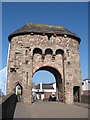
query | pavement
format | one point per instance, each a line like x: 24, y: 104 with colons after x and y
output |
x: 43, y: 109
x: 82, y: 105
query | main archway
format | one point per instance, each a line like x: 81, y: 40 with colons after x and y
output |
x: 59, y: 82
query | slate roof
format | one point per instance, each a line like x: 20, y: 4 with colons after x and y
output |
x: 42, y: 28
x: 45, y: 86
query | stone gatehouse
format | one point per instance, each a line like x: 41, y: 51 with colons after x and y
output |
x: 37, y: 47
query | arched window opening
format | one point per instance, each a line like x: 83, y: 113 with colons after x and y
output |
x: 59, y: 51
x: 48, y: 51
x: 59, y: 57
x: 37, y: 51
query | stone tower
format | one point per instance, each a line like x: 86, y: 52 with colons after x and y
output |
x: 45, y: 47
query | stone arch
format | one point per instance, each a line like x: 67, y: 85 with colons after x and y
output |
x: 37, y: 51
x: 44, y: 48
x: 48, y: 51
x: 53, y: 66
x: 48, y: 54
x: 59, y: 51
x: 59, y: 81
x: 49, y: 48
x: 37, y: 54
x: 34, y: 47
x: 76, y: 93
x: 59, y: 57
x: 18, y: 84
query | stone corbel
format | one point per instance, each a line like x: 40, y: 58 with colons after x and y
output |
x: 53, y: 58
x: 43, y: 56
x: 31, y: 57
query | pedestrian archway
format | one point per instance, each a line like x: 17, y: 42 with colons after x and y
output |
x: 76, y: 94
x: 44, y: 86
x: 18, y: 89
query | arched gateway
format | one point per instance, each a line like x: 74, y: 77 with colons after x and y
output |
x: 44, y: 47
x: 59, y: 82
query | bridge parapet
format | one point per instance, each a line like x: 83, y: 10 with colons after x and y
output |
x: 7, y: 107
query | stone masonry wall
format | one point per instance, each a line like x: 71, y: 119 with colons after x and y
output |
x: 21, y: 58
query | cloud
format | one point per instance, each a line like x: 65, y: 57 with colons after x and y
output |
x: 3, y: 79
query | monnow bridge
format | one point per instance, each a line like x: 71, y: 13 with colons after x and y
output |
x: 36, y: 47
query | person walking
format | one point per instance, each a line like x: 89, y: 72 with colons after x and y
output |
x: 18, y: 96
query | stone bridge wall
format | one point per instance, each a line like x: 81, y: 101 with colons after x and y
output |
x: 8, y: 106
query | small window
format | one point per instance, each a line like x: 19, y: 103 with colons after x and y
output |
x: 37, y: 51
x: 49, y: 37
x: 27, y: 77
x: 48, y: 51
x: 26, y: 61
x: 12, y: 70
x: 68, y: 52
x: 68, y: 63
x: 26, y: 52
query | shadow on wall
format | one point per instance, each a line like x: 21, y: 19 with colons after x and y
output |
x: 85, y: 99
x: 8, y: 106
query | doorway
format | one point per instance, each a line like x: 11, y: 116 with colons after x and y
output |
x: 18, y: 91
x: 76, y: 94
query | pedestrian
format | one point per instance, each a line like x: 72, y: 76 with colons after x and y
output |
x: 18, y: 96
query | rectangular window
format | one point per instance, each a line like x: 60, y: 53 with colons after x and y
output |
x: 27, y: 77
x: 12, y: 70
x: 26, y: 61
x: 68, y: 53
x: 26, y: 52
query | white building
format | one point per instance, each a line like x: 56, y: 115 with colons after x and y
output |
x: 86, y: 86
x: 43, y: 91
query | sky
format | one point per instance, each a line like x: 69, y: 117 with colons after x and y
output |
x: 43, y: 76
x: 73, y: 16
x: 3, y: 75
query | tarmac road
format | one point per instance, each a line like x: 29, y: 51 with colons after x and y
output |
x: 49, y: 110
